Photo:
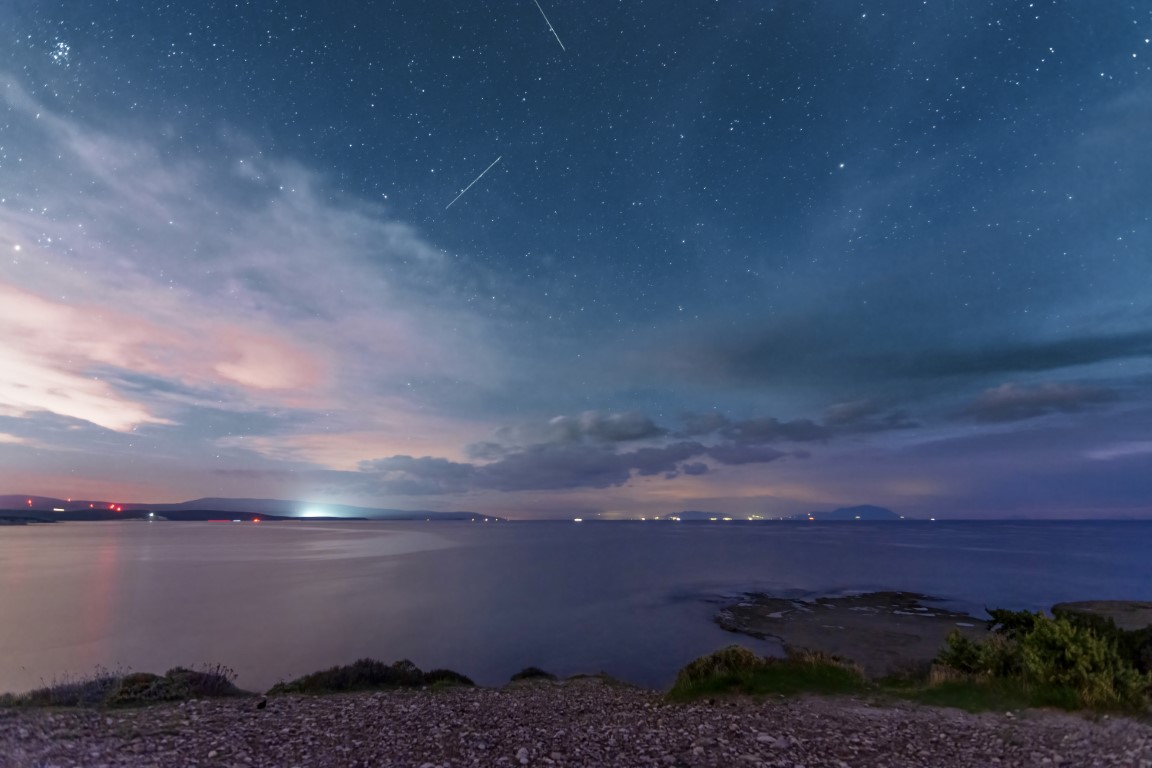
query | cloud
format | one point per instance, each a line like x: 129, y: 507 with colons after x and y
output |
x: 410, y: 476
x: 745, y: 454
x: 141, y: 285
x: 571, y: 462
x: 840, y: 419
x: 833, y: 348
x: 540, y: 467
x: 1011, y: 402
x: 696, y: 424
x: 865, y: 416
x: 594, y: 427
x: 1121, y: 450
x: 1041, y: 355
x: 768, y: 429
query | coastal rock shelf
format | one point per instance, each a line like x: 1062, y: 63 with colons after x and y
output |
x: 575, y: 723
x: 883, y: 632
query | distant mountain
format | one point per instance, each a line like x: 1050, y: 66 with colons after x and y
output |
x: 861, y: 512
x: 216, y: 508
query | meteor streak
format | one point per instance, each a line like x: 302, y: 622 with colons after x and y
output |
x: 473, y: 182
x: 550, y: 26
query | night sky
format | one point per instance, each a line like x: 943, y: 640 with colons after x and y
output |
x: 756, y: 258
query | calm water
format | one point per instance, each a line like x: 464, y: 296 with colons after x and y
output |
x: 276, y: 600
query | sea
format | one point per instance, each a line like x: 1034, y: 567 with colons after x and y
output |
x: 636, y: 600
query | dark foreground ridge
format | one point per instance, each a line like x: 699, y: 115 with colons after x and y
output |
x: 579, y: 722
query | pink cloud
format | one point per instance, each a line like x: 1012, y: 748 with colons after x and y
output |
x: 55, y: 351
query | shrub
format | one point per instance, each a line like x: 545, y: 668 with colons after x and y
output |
x: 69, y: 691
x: 1060, y: 654
x: 1066, y: 661
x: 212, y: 680
x: 103, y: 688
x: 1133, y: 645
x: 532, y: 673
x: 738, y: 670
x: 996, y: 657
x: 443, y: 678
x: 731, y: 663
x: 369, y: 674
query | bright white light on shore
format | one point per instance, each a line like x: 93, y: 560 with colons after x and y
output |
x: 577, y: 519
x: 313, y: 512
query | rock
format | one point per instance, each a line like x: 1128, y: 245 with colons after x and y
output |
x: 1127, y: 614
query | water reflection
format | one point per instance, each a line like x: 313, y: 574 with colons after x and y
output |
x: 636, y: 600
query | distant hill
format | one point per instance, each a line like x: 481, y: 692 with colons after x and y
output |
x: 861, y: 512
x: 48, y: 508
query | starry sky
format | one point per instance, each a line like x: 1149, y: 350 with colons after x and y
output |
x: 756, y: 258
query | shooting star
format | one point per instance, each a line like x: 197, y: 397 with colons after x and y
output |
x: 550, y: 25
x: 473, y: 182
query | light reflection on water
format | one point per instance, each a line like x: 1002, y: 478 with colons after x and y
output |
x: 276, y: 600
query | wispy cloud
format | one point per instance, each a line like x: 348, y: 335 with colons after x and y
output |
x: 138, y: 284
x: 1013, y: 402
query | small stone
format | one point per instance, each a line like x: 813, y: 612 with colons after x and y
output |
x: 765, y: 738
x: 212, y: 754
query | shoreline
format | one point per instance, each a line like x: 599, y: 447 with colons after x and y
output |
x: 438, y: 719
x: 883, y: 632
x: 581, y: 722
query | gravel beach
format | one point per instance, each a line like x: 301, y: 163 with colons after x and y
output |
x: 583, y: 722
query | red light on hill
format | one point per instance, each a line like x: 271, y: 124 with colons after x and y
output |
x: 29, y: 502
x: 255, y: 519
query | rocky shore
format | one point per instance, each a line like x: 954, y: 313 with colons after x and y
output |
x: 583, y: 722
x: 883, y: 632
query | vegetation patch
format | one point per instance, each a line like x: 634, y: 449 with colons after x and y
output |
x: 737, y: 670
x: 369, y: 674
x: 1072, y: 660
x: 532, y: 673
x: 112, y: 689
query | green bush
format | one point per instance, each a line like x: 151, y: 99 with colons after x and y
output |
x: 1060, y: 654
x: 1133, y: 645
x: 996, y: 657
x: 1070, y: 661
x: 444, y: 678
x: 68, y: 691
x: 369, y: 674
x: 210, y: 681
x: 103, y: 688
x: 730, y: 663
x: 736, y: 669
x: 532, y: 673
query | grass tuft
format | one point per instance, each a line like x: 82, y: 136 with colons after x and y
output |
x: 532, y: 673
x: 737, y: 670
x: 369, y: 674
x: 102, y: 688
